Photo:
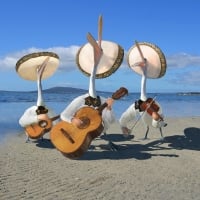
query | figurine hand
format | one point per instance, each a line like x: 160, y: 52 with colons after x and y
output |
x: 110, y: 102
x: 76, y: 122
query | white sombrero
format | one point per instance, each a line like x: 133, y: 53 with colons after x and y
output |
x: 156, y: 62
x: 27, y: 66
x: 110, y: 61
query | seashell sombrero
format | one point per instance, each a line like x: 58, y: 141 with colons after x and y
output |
x: 112, y: 56
x: 27, y: 66
x: 156, y: 61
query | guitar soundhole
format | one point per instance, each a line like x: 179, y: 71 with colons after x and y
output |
x: 43, y: 123
x: 67, y: 135
x: 86, y: 122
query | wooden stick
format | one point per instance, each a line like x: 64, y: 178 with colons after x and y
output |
x: 140, y: 51
x: 43, y: 65
x: 92, y: 41
x: 97, y: 49
x: 40, y: 68
x: 100, y: 25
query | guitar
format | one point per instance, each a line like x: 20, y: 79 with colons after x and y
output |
x: 37, y: 130
x: 73, y: 141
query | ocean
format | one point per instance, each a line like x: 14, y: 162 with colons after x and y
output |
x: 13, y: 104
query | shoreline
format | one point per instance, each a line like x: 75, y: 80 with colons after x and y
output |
x: 140, y: 169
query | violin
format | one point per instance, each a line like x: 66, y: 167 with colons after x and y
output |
x: 150, y: 106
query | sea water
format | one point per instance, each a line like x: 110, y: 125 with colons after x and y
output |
x: 13, y: 104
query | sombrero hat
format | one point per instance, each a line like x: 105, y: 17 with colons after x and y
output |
x: 156, y: 62
x: 110, y: 61
x: 27, y: 66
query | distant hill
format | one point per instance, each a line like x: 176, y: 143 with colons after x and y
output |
x: 57, y: 90
x: 68, y: 90
x: 53, y: 90
x: 63, y: 90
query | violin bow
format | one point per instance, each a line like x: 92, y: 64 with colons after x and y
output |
x: 142, y: 114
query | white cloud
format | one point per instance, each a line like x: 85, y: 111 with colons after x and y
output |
x: 67, y: 57
x: 192, y: 78
x: 179, y: 60
x: 183, y: 60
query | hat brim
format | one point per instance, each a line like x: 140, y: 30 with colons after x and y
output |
x: 156, y: 61
x: 111, y: 59
x: 27, y: 66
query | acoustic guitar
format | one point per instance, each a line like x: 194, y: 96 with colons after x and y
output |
x: 73, y: 141
x: 37, y: 130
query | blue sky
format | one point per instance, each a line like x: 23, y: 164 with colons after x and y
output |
x: 61, y: 26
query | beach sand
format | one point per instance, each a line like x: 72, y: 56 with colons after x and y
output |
x: 141, y: 169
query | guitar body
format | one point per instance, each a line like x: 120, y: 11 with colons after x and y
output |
x: 72, y: 141
x: 37, y: 130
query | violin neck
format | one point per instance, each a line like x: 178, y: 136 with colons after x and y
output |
x: 160, y: 117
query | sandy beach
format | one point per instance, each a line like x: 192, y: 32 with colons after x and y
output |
x: 150, y: 169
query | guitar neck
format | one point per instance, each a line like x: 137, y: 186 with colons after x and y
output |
x: 102, y: 107
x: 118, y: 94
x: 55, y: 118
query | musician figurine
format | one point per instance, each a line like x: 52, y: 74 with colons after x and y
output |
x: 37, y: 119
x: 141, y: 61
x: 88, y: 115
x: 91, y: 98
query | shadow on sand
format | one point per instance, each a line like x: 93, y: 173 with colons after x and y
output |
x: 190, y: 140
x: 44, y: 143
